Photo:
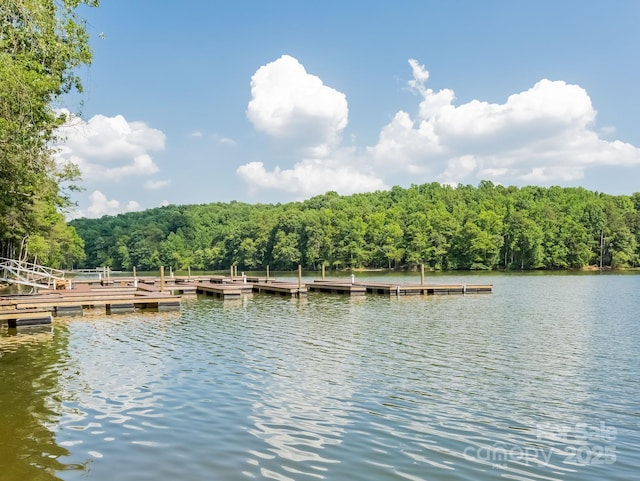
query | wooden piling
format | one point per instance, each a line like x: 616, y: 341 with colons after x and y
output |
x: 323, y: 271
x: 299, y: 276
x: 422, y: 274
x: 161, y: 278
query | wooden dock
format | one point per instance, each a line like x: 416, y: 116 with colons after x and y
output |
x: 281, y: 288
x: 38, y: 308
x: 122, y: 294
x: 222, y: 291
x: 239, y: 279
x: 394, y: 289
x: 332, y: 287
x: 408, y: 289
x: 262, y: 284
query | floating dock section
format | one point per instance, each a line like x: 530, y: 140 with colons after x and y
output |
x: 401, y: 289
x: 222, y: 291
x: 330, y: 287
x: 122, y: 294
x: 21, y: 310
x: 290, y: 289
x: 395, y: 289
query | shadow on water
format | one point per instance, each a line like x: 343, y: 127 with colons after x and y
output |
x: 30, y: 402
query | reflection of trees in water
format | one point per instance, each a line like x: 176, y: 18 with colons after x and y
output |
x: 30, y: 363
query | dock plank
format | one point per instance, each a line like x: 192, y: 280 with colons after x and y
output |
x: 333, y: 287
x: 407, y: 289
x: 281, y: 288
x: 224, y: 291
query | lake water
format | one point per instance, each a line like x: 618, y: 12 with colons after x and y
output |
x: 537, y: 381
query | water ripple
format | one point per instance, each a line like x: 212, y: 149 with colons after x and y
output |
x: 444, y: 387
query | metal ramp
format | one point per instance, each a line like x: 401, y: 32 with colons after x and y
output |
x: 30, y: 274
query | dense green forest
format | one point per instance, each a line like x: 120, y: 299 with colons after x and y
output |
x: 42, y: 42
x: 442, y: 227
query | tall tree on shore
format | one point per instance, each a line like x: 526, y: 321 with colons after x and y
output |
x: 42, y: 42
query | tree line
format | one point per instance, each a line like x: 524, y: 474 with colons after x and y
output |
x: 42, y: 42
x: 443, y: 227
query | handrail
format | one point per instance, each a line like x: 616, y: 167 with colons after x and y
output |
x: 28, y: 273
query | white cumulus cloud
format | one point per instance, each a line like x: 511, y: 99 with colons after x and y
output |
x: 303, y: 114
x: 101, y: 205
x: 156, y: 184
x: 297, y: 108
x: 109, y: 148
x: 542, y: 135
x: 310, y: 177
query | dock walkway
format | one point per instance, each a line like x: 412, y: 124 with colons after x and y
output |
x: 395, y: 289
x: 38, y: 308
x: 337, y: 287
x: 406, y: 289
x: 281, y: 288
x: 223, y: 291
x: 129, y: 293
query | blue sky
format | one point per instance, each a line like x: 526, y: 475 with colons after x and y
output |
x: 255, y: 101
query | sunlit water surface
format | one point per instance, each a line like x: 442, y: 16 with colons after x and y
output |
x: 537, y: 381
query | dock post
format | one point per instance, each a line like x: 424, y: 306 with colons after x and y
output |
x: 135, y: 277
x: 161, y: 278
x: 189, y: 270
x: 422, y: 274
x: 299, y: 276
x: 231, y: 271
x: 323, y: 271
x: 267, y: 273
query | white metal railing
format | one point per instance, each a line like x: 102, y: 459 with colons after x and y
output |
x: 29, y: 274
